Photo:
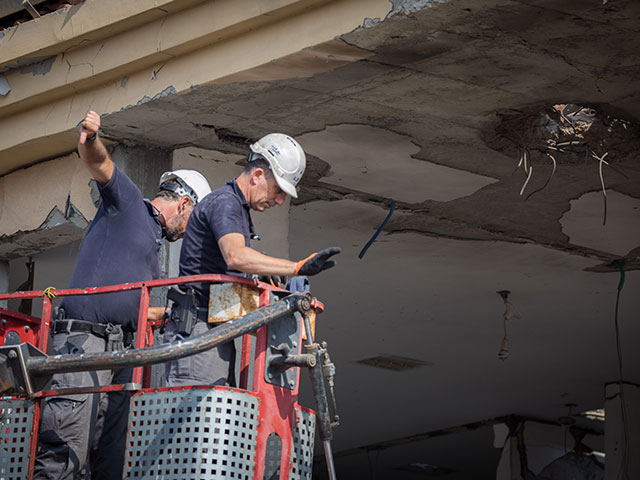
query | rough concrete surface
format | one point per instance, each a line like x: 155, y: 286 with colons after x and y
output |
x: 468, y: 86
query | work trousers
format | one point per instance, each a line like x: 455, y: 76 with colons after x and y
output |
x: 211, y: 367
x: 83, y: 432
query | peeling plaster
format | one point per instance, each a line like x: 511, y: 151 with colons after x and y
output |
x: 28, y: 196
x: 583, y: 223
x: 40, y: 66
x: 167, y: 91
x: 4, y: 85
x: 370, y: 22
x: 57, y: 218
x: 406, y: 7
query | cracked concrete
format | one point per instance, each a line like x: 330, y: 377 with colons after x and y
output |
x: 444, y: 76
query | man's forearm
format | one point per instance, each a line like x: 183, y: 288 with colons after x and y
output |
x: 92, y: 151
x: 248, y: 260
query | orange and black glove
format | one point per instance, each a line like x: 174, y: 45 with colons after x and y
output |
x: 317, y: 262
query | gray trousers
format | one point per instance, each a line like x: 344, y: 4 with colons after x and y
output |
x: 85, y: 432
x: 212, y: 367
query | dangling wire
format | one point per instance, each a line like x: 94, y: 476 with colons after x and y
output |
x: 509, y: 313
x: 625, y: 432
x: 527, y: 180
x: 548, y: 179
x: 604, y: 190
x: 503, y: 354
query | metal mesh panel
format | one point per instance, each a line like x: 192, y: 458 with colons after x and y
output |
x: 16, y: 430
x: 302, y: 448
x: 192, y: 434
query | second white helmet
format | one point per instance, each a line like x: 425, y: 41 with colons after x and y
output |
x: 190, y: 183
x: 286, y: 158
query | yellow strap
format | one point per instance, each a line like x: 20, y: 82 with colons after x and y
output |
x: 49, y: 292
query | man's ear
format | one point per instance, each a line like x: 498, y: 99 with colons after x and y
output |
x: 256, y: 175
x: 184, y: 203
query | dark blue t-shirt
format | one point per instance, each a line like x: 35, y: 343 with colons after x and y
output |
x: 120, y: 246
x: 221, y: 212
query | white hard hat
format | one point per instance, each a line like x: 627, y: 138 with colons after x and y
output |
x: 286, y: 158
x: 190, y: 183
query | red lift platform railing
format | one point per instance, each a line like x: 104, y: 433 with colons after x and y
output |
x: 255, y: 431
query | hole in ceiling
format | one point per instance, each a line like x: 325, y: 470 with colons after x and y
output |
x: 393, y: 362
x: 564, y: 135
x: 566, y: 130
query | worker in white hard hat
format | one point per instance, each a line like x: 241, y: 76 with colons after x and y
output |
x: 88, y: 431
x: 217, y: 240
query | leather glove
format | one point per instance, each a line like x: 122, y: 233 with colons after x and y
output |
x: 275, y: 280
x: 317, y: 262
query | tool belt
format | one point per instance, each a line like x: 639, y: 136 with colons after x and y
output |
x: 117, y: 337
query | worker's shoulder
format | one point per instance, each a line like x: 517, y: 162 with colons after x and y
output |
x: 223, y: 194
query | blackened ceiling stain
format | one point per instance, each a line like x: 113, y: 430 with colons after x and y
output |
x: 474, y: 87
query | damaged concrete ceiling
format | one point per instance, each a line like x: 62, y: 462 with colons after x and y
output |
x: 430, y: 117
x: 451, y: 109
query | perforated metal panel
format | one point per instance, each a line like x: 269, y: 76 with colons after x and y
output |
x: 192, y: 434
x: 302, y: 448
x: 16, y: 429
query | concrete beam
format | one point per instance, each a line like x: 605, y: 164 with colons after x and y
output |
x: 70, y: 27
x: 108, y: 76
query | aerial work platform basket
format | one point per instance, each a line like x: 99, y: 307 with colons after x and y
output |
x: 255, y: 431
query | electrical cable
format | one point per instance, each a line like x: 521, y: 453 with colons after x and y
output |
x: 604, y: 190
x: 548, y: 179
x: 375, y: 235
x: 625, y: 433
x: 527, y: 180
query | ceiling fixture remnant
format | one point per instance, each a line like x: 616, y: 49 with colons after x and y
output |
x: 598, y: 414
x: 393, y: 362
x: 509, y: 313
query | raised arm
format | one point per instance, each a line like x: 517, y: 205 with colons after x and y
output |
x: 92, y: 151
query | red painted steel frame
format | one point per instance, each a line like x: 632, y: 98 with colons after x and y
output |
x: 277, y: 412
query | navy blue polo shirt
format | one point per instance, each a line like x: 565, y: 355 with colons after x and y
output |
x: 223, y: 211
x: 120, y: 246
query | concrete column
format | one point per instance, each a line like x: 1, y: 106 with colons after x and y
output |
x: 4, y: 281
x: 622, y: 431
